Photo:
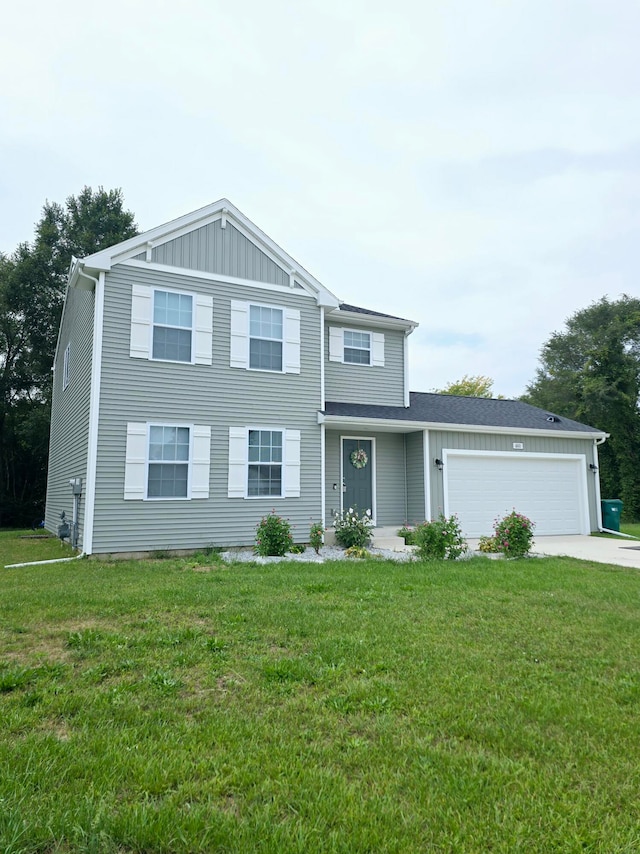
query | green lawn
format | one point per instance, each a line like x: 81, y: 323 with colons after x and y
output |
x: 188, y: 706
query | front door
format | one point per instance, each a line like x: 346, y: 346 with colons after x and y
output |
x: 357, y: 475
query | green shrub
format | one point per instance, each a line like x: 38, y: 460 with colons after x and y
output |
x: 353, y: 528
x: 358, y: 552
x: 514, y: 534
x: 440, y: 540
x: 488, y: 545
x: 297, y: 549
x: 316, y: 536
x: 408, y: 535
x: 273, y: 536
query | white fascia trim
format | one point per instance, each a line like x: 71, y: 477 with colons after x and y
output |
x: 212, y: 277
x: 403, y: 426
x: 356, y: 319
x: 94, y: 416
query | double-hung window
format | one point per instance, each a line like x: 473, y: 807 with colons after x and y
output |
x: 265, y: 463
x: 265, y: 338
x: 169, y: 453
x: 172, y: 326
x: 357, y: 347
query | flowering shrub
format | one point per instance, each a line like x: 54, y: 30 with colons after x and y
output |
x: 273, y: 536
x: 316, y: 536
x: 353, y: 528
x: 408, y: 535
x: 514, y: 534
x: 440, y: 540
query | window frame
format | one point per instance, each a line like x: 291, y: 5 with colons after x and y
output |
x: 66, y: 367
x: 368, y: 349
x: 149, y: 462
x: 250, y: 337
x: 192, y: 329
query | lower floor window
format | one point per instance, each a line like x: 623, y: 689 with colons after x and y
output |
x: 168, y: 462
x: 265, y: 463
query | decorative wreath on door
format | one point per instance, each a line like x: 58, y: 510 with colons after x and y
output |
x: 359, y: 458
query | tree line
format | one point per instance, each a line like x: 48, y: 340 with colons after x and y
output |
x: 32, y: 285
x: 589, y: 372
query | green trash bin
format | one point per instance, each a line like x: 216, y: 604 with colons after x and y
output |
x: 611, y: 512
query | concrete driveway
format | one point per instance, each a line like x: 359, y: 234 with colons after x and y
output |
x: 617, y: 550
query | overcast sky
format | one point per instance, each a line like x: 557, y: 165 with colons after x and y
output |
x: 473, y: 165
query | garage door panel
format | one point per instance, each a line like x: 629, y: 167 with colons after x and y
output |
x: 481, y: 488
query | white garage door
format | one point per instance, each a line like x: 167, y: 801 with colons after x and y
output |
x: 550, y: 490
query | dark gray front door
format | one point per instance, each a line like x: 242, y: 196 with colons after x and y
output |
x: 358, y: 482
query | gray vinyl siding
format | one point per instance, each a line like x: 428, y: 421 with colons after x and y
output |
x: 441, y: 439
x: 70, y: 411
x: 416, y: 511
x: 391, y: 488
x: 221, y: 251
x: 347, y: 383
x: 136, y: 390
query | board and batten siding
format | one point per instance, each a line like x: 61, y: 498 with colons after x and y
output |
x: 347, y: 383
x: 443, y: 439
x: 69, y: 433
x: 391, y: 488
x: 414, y: 443
x: 138, y: 390
x: 220, y: 251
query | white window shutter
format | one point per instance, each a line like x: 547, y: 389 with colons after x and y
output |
x: 292, y: 341
x: 200, y: 461
x: 336, y: 344
x: 135, y: 471
x: 238, y: 438
x: 141, y: 297
x: 239, y: 334
x: 377, y: 349
x: 204, y: 329
x: 292, y: 464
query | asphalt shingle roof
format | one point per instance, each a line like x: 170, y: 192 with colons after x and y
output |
x: 452, y: 409
x: 358, y: 310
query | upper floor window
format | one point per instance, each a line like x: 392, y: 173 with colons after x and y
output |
x: 265, y: 338
x: 357, y: 347
x: 172, y: 326
x: 65, y: 366
x: 351, y: 346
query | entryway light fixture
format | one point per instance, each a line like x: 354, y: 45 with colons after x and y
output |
x: 438, y: 464
x: 593, y: 467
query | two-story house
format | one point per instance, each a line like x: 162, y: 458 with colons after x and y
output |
x: 203, y: 378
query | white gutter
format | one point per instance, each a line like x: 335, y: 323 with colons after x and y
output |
x: 403, y: 425
x: 44, y: 562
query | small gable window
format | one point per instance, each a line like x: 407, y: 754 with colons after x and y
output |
x: 65, y: 366
x: 357, y: 347
x: 265, y: 338
x: 172, y: 326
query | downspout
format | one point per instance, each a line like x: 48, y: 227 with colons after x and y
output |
x: 94, y: 403
x: 601, y: 529
x: 44, y: 562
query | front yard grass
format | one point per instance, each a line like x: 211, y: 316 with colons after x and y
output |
x: 185, y: 705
